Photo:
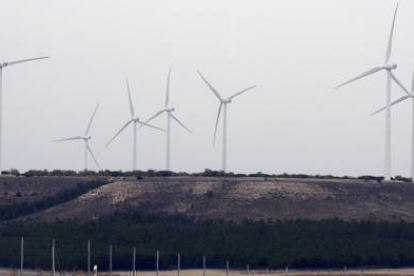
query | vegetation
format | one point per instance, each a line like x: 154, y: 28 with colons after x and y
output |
x: 206, y: 173
x: 300, y: 244
x: 20, y: 209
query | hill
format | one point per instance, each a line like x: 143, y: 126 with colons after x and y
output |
x: 265, y: 222
x: 232, y: 199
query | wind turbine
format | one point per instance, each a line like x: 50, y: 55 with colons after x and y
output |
x: 223, y: 105
x: 169, y: 111
x: 410, y: 94
x: 388, y: 67
x: 135, y: 121
x: 2, y: 65
x: 85, y: 139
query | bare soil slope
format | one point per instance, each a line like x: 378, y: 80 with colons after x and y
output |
x: 238, y: 199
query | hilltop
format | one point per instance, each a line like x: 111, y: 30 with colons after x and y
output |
x: 224, y: 198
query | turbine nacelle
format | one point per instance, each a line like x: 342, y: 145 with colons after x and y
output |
x: 169, y: 109
x: 86, y: 138
x: 390, y: 66
x: 225, y: 101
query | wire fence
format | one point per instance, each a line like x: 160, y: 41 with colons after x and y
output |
x: 37, y: 254
x: 41, y: 259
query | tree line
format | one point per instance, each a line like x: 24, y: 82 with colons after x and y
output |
x: 16, y: 210
x: 261, y: 244
x: 206, y: 173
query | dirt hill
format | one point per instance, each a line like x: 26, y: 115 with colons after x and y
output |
x: 234, y: 199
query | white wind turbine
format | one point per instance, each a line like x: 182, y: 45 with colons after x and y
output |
x: 223, y: 104
x: 169, y: 110
x: 134, y: 121
x: 2, y: 65
x: 410, y: 94
x: 85, y: 139
x: 388, y: 67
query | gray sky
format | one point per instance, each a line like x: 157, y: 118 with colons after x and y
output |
x: 295, y: 51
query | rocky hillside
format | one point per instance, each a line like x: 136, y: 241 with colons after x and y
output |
x: 234, y: 199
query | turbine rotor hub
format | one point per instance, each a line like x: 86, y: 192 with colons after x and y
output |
x: 226, y: 101
x: 390, y: 66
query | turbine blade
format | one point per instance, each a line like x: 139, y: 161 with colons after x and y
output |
x: 178, y: 121
x: 14, y: 62
x: 397, y: 81
x: 241, y: 92
x: 152, y: 118
x: 367, y: 73
x: 167, y: 93
x: 217, y: 121
x: 131, y: 106
x: 67, y: 139
x: 210, y: 86
x: 389, y: 46
x: 152, y: 126
x: 90, y: 121
x: 119, y: 132
x: 391, y: 104
x: 91, y: 153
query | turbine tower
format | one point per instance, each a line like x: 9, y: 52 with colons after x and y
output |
x: 85, y: 139
x: 135, y: 121
x: 223, y: 105
x: 410, y: 95
x: 169, y: 110
x: 2, y: 65
x: 388, y: 67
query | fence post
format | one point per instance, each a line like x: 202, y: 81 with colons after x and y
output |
x: 204, y: 265
x: 227, y: 268
x: 178, y: 264
x: 134, y: 256
x: 110, y: 260
x: 53, y: 258
x: 158, y: 263
x: 89, y: 258
x: 21, y: 255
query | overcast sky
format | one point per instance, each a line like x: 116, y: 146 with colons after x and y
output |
x: 295, y: 51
